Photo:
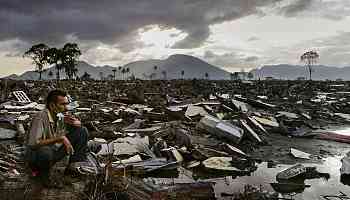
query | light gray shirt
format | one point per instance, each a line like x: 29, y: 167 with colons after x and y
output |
x: 44, y: 127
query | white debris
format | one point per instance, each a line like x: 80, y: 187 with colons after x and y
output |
x: 300, y: 154
x: 195, y: 111
x: 220, y: 163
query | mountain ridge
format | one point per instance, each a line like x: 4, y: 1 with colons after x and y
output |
x: 193, y: 67
x: 292, y: 72
x: 169, y: 68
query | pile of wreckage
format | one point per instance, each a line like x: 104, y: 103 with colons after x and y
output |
x: 173, y: 136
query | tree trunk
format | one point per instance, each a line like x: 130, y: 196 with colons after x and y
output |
x: 58, y: 72
x: 310, y: 72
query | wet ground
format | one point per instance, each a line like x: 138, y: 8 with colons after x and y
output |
x: 329, y: 161
x: 278, y: 147
x: 264, y: 176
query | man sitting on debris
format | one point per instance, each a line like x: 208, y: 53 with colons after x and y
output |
x: 53, y: 135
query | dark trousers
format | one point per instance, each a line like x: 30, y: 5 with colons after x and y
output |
x: 43, y: 158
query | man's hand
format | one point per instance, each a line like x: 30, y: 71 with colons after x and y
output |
x: 67, y: 145
x: 68, y: 119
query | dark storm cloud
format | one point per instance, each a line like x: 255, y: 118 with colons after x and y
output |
x: 117, y: 21
x: 333, y: 10
x: 296, y: 7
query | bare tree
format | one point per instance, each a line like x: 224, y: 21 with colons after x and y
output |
x: 310, y: 58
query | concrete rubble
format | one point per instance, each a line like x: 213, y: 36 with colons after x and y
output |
x: 143, y: 131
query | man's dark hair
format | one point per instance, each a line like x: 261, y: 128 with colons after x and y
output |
x: 52, y: 96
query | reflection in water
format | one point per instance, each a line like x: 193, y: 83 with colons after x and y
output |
x: 328, y: 182
x: 344, y: 131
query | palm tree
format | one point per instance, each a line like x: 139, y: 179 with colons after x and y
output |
x: 114, y: 71
x: 164, y: 73
x: 127, y: 71
x: 38, y: 55
x: 123, y: 72
x: 206, y: 75
x: 155, y: 67
x: 310, y: 58
x: 120, y: 70
x: 70, y: 55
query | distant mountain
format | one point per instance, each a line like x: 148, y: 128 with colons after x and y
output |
x: 292, y: 72
x: 12, y: 76
x: 174, y: 65
x: 169, y: 68
x: 82, y: 68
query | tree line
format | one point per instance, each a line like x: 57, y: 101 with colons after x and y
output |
x: 65, y: 58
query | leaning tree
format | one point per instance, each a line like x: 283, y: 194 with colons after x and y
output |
x: 310, y: 58
x: 38, y: 55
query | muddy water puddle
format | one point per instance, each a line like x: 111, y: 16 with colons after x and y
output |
x: 263, y: 176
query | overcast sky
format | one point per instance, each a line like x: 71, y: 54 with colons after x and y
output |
x: 232, y: 34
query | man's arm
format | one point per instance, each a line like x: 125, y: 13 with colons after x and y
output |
x: 72, y: 120
x: 36, y: 133
x: 62, y: 140
x: 50, y: 141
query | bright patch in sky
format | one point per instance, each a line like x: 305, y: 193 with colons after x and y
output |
x: 273, y: 37
x: 156, y: 37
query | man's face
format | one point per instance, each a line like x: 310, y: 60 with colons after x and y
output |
x: 61, y: 104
